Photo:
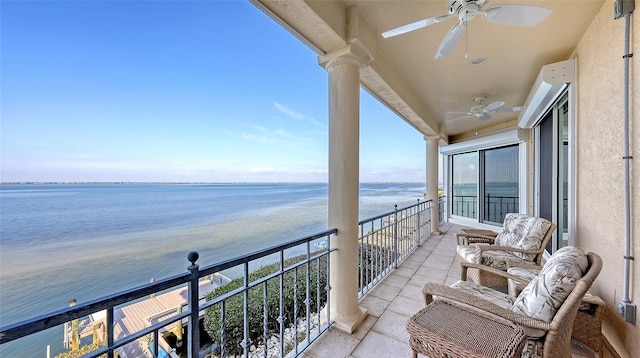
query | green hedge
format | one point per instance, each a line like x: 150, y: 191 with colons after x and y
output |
x: 371, y: 258
x: 76, y: 353
x: 234, y: 315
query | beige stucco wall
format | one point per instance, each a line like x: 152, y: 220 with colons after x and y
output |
x: 600, y: 185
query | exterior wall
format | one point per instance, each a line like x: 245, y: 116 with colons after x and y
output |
x: 600, y: 180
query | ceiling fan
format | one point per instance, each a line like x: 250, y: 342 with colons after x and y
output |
x: 483, y: 112
x: 466, y: 10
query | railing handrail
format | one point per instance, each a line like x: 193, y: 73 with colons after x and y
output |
x: 36, y: 324
x: 363, y: 221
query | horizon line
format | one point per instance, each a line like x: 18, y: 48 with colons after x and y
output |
x: 189, y: 182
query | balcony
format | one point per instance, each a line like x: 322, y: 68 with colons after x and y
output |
x: 393, y: 301
x: 390, y: 289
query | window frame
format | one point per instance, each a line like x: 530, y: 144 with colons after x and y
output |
x: 501, y: 139
x: 565, y: 98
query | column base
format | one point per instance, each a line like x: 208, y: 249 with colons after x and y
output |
x: 351, y: 323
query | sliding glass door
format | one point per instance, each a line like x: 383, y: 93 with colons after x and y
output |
x: 552, y: 163
x: 501, y: 190
x: 465, y: 185
x: 485, y: 184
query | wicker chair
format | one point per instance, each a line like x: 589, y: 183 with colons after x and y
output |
x: 521, y: 243
x: 587, y: 327
x: 554, y: 337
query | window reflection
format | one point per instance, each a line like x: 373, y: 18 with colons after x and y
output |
x: 465, y: 184
x: 500, y: 183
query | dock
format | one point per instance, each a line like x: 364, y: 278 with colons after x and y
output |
x: 139, y: 315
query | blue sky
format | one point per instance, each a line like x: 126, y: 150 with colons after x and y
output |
x: 210, y: 91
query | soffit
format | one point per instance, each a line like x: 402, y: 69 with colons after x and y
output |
x: 433, y: 94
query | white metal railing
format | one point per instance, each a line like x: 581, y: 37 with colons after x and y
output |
x: 387, y: 239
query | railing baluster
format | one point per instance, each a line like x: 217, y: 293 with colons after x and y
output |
x: 155, y: 343
x: 223, y: 328
x: 361, y: 260
x: 318, y: 275
x: 281, y: 318
x: 295, y: 310
x: 307, y: 296
x: 328, y: 287
x: 110, y: 332
x: 395, y: 237
x: 194, y: 308
x: 265, y: 318
x: 418, y: 225
x: 246, y: 342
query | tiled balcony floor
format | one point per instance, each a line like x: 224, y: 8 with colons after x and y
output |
x: 393, y: 301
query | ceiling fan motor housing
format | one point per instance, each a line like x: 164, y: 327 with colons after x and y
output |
x: 465, y: 9
x: 477, y: 109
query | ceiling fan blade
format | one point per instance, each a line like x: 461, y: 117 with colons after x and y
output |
x: 466, y: 115
x: 414, y: 26
x: 518, y: 15
x: 493, y: 106
x: 450, y: 40
x: 483, y: 116
x: 509, y: 109
x: 458, y: 118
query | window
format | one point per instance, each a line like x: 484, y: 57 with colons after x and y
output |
x: 465, y: 184
x: 500, y: 183
x: 552, y: 163
x: 490, y: 174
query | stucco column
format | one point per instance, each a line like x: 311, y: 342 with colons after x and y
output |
x: 344, y: 132
x: 432, y: 180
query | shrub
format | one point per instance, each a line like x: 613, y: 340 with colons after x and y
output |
x: 76, y: 353
x: 234, y: 314
x: 373, y: 260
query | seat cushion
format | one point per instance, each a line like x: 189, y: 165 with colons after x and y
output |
x: 500, y: 260
x: 468, y: 253
x: 524, y: 232
x: 545, y: 293
x: 525, y: 273
x: 501, y: 299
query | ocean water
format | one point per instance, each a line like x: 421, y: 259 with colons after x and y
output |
x: 85, y: 241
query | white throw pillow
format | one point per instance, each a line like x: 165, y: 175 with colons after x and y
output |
x: 544, y: 295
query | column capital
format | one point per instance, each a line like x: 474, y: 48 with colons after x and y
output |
x: 434, y: 138
x: 353, y: 53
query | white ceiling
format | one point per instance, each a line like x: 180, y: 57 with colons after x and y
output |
x: 433, y: 94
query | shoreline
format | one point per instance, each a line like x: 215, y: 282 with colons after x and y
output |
x: 35, y: 182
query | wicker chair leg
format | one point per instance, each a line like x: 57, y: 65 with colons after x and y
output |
x: 414, y: 354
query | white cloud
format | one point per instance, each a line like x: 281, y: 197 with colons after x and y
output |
x: 289, y: 112
x: 263, y: 135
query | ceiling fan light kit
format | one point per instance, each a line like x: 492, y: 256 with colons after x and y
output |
x: 466, y: 10
x: 484, y: 111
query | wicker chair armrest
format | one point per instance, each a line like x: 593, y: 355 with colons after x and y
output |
x: 460, y: 297
x: 463, y: 238
x: 483, y: 236
x: 589, y: 298
x: 526, y: 265
x: 482, y: 248
x: 464, y: 266
x: 599, y: 304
